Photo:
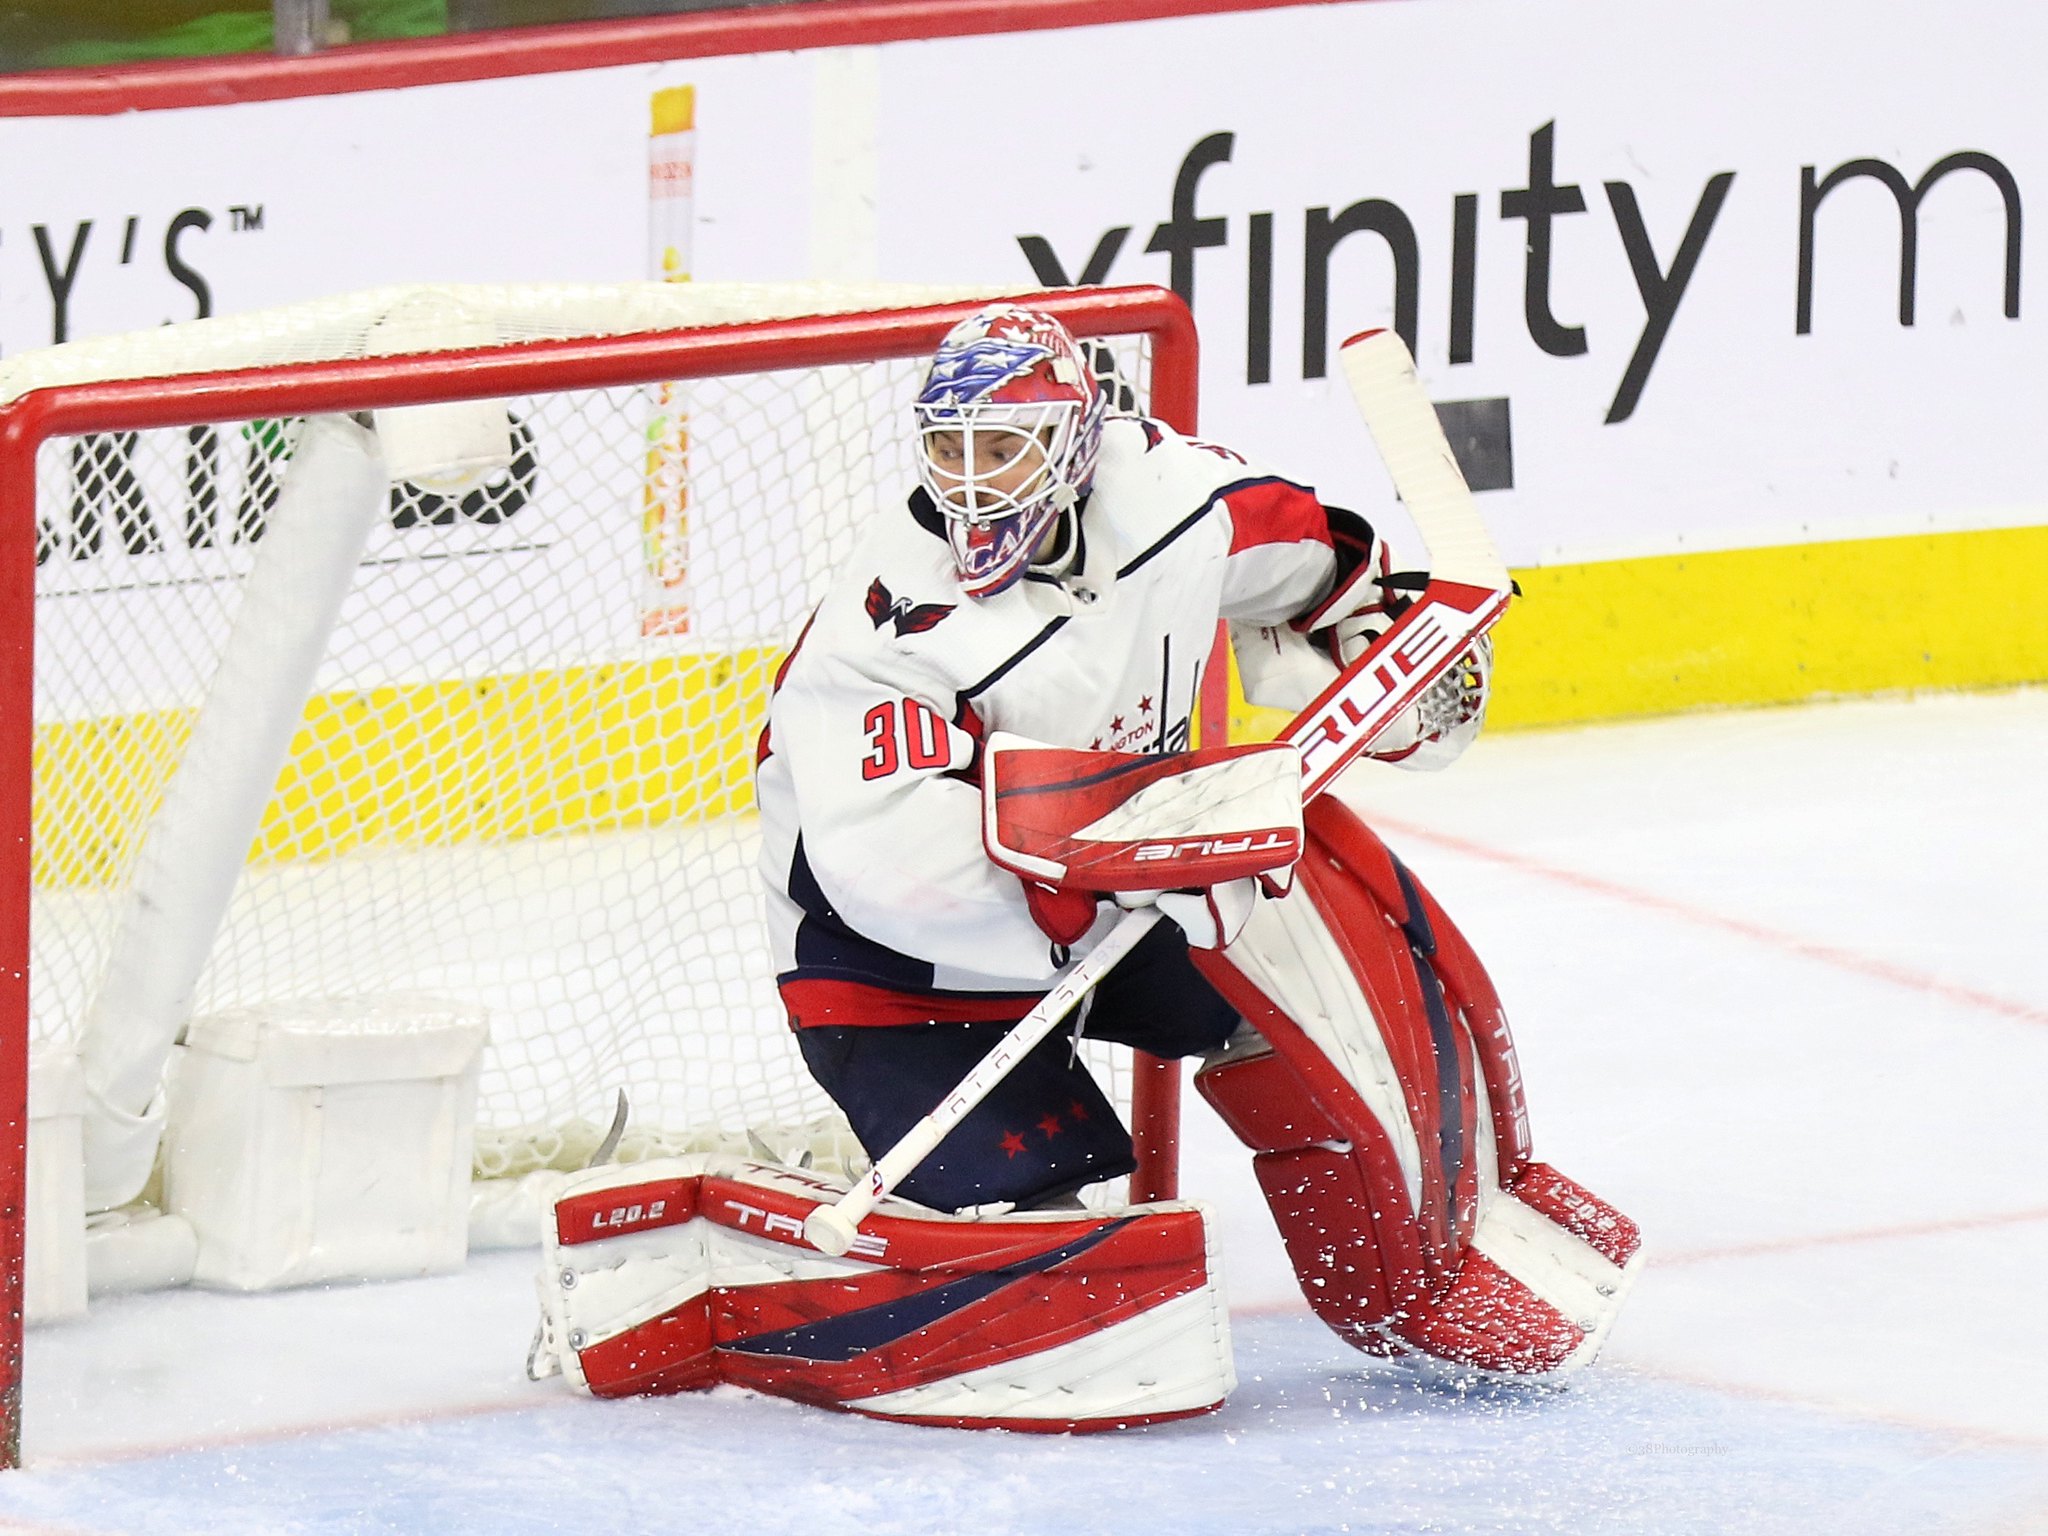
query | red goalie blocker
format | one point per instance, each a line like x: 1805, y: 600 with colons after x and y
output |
x: 1129, y: 821
x: 692, y: 1272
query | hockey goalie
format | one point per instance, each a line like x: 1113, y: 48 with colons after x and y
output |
x: 976, y: 769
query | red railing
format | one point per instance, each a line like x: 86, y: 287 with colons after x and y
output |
x: 582, y: 45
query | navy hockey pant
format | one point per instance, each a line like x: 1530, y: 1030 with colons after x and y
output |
x: 1047, y: 1128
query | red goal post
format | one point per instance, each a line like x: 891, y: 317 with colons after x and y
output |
x: 102, y: 409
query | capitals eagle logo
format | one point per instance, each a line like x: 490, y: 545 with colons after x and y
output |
x: 908, y: 617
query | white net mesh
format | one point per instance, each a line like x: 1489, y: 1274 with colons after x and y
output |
x: 523, y: 778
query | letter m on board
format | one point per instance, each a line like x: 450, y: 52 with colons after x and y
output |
x: 1812, y: 191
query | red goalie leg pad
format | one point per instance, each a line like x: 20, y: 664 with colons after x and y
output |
x: 1470, y: 990
x: 1492, y: 1322
x: 1342, y: 838
x: 1580, y: 1212
x: 1387, y: 1061
x: 669, y: 1351
x: 1540, y: 1286
x: 1340, y: 1208
x: 1040, y: 1322
x: 1022, y: 1322
x: 1365, y: 1112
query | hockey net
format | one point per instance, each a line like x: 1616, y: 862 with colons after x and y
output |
x: 521, y: 776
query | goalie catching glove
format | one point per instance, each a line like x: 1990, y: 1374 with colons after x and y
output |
x: 1286, y: 666
x: 1194, y: 833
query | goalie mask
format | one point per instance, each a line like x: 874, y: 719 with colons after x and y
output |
x: 1009, y: 421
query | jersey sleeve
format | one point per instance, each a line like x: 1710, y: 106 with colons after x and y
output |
x: 1280, y: 562
x: 892, y: 823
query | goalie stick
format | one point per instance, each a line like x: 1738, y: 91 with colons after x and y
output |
x: 1467, y: 592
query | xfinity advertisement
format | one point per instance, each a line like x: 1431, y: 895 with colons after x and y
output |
x: 1684, y: 281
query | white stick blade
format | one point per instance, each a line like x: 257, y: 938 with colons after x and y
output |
x: 1418, y: 457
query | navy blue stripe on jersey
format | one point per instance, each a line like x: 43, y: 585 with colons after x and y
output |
x: 1203, y: 511
x: 852, y: 1334
x: 1161, y: 544
x: 1026, y: 649
x: 827, y: 947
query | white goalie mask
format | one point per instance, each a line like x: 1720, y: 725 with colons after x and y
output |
x: 1009, y: 422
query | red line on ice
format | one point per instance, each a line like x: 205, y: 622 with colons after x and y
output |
x: 1810, y: 949
x: 1864, y: 1235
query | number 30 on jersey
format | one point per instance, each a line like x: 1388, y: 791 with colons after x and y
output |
x: 904, y: 733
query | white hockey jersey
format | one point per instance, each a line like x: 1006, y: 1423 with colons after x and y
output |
x: 882, y: 907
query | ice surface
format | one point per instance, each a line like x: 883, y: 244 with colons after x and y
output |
x: 1780, y: 991
x: 1314, y: 1440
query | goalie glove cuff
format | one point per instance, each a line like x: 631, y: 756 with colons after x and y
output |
x: 1360, y: 589
x: 1062, y: 916
x: 1210, y: 918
